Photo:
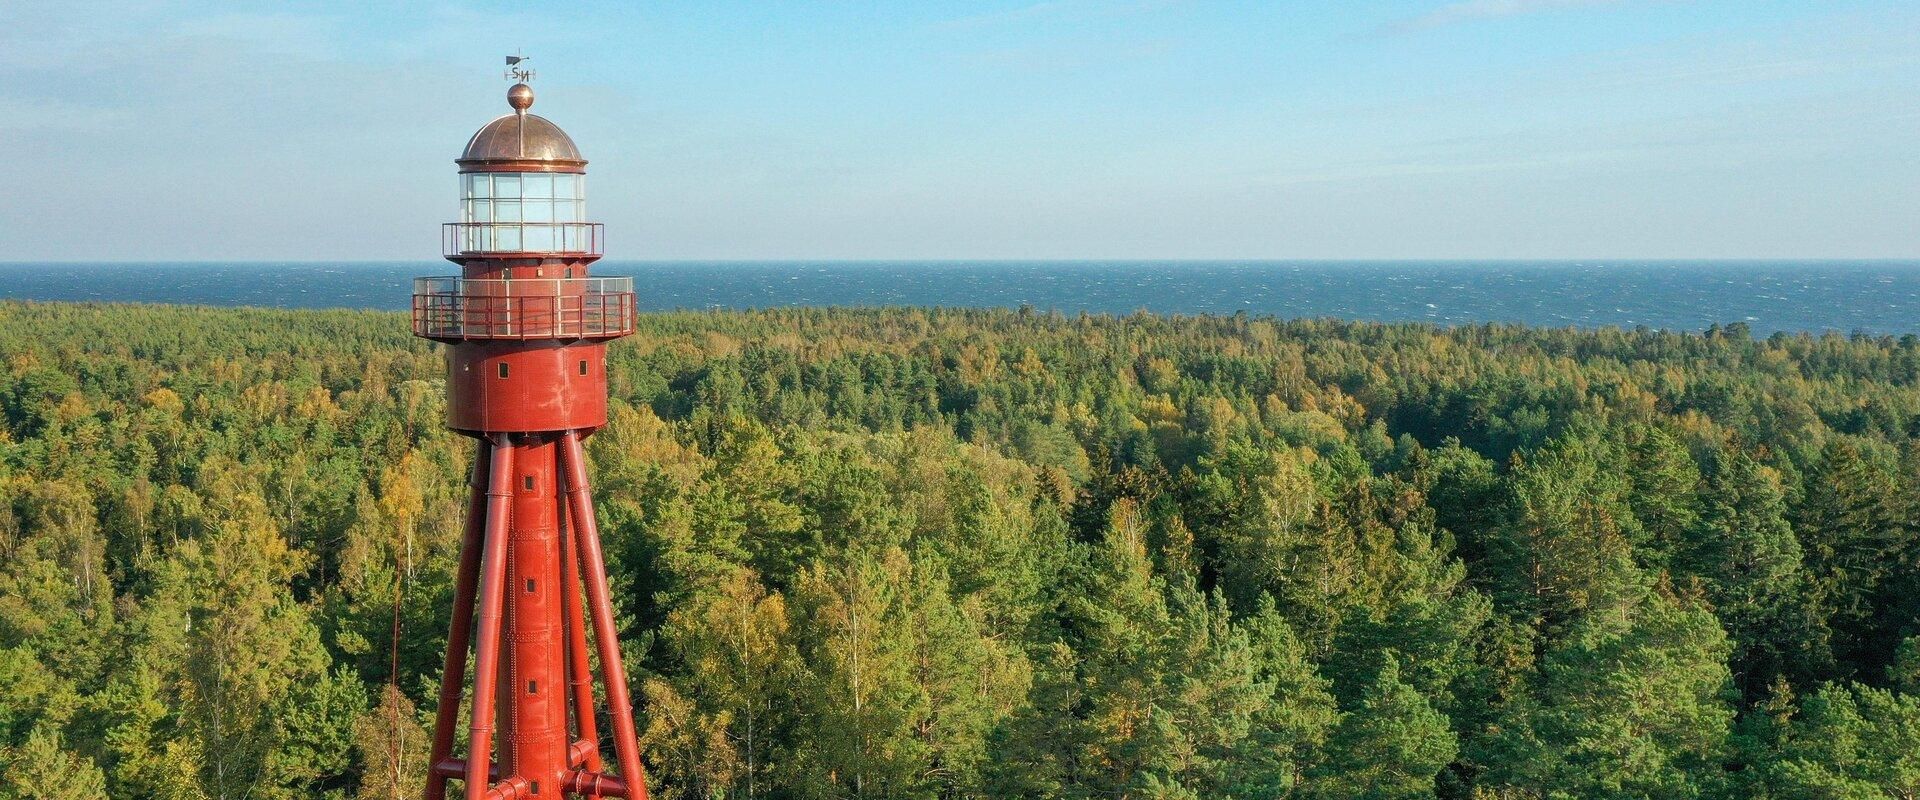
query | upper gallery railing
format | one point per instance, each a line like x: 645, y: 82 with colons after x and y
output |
x: 528, y: 308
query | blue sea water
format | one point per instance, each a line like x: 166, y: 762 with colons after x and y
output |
x: 1881, y: 297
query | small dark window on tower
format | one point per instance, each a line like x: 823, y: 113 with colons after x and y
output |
x: 536, y: 787
x: 583, y: 366
x: 533, y: 687
x: 528, y: 482
x: 529, y: 586
x: 503, y: 369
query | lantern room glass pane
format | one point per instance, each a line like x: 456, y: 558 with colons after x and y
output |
x: 523, y: 212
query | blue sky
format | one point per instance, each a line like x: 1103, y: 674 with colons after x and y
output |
x: 1062, y: 129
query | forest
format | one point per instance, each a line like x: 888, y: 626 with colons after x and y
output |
x: 938, y: 553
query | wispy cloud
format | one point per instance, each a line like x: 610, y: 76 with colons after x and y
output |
x: 1480, y: 10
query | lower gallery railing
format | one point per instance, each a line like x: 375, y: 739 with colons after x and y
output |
x: 557, y: 308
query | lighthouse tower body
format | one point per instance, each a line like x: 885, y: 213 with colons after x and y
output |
x: 526, y: 328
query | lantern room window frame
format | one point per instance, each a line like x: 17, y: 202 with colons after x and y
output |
x: 523, y: 211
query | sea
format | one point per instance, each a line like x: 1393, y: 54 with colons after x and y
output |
x: 1864, y: 297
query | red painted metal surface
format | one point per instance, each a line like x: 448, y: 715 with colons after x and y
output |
x: 586, y: 751
x: 454, y: 668
x: 526, y: 336
x: 626, y: 747
x: 492, y: 600
x: 526, y: 386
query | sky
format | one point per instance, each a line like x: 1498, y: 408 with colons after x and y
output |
x: 1065, y: 129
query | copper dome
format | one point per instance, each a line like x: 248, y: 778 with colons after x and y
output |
x: 521, y: 142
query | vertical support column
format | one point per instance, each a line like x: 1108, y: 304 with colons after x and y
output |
x: 593, y: 568
x: 533, y: 707
x: 579, y: 672
x: 453, y: 670
x: 493, y: 574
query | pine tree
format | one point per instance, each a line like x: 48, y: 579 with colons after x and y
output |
x: 43, y: 769
x: 1388, y: 747
x: 1664, y: 501
x: 1905, y: 674
x: 1154, y: 692
x: 145, y: 761
x: 1845, y: 526
x: 1286, y: 733
x: 900, y: 685
x: 968, y: 680
x: 1749, y: 563
x: 1634, y: 707
x: 1424, y: 611
x: 1898, y: 604
x: 316, y: 725
x: 29, y: 694
x: 1463, y: 489
x: 1092, y: 705
x: 1253, y: 514
x: 1211, y: 699
x: 1568, y: 551
x: 1852, y: 741
x: 1755, y: 744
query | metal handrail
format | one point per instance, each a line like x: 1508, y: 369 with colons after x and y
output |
x: 487, y: 238
x: 521, y: 287
x: 451, y: 307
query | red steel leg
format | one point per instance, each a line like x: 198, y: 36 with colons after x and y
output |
x: 453, y: 670
x: 593, y: 568
x: 580, y: 678
x: 486, y: 668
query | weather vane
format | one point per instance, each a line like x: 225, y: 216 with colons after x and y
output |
x: 517, y: 73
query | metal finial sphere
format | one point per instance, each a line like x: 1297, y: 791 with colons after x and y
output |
x: 520, y: 97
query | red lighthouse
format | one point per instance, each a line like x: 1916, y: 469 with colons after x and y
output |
x: 526, y: 329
